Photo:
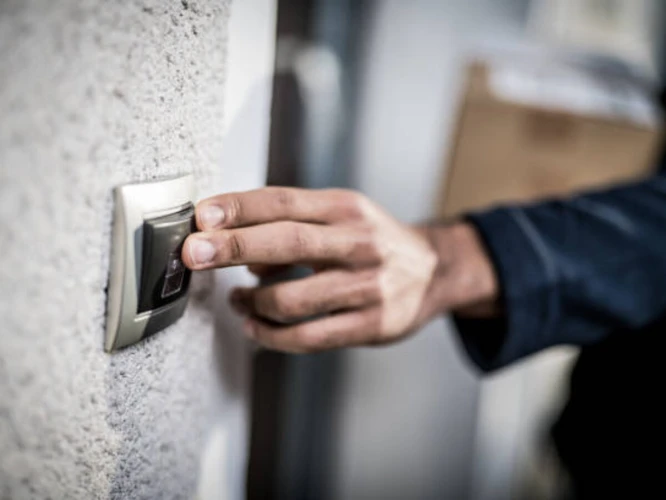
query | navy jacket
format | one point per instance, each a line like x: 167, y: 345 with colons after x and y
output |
x: 588, y: 271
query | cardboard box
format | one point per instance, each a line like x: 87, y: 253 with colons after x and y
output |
x: 527, y: 132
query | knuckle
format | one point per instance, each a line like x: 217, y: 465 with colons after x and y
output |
x: 375, y: 240
x: 284, y: 198
x: 368, y: 245
x: 326, y: 304
x: 355, y: 205
x: 301, y: 240
x: 285, y: 307
x: 381, y: 246
x: 234, y: 210
x: 236, y: 247
x: 372, y: 289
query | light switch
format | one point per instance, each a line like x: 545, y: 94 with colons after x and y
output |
x: 148, y: 282
x: 164, y: 277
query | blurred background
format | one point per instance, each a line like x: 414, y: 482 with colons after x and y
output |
x: 431, y: 108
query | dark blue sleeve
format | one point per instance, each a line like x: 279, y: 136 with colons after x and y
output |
x: 572, y: 271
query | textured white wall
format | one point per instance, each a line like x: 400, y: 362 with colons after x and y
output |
x: 95, y: 94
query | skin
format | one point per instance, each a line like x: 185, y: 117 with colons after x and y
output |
x: 375, y: 280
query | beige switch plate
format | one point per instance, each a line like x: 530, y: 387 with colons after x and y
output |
x: 133, y: 204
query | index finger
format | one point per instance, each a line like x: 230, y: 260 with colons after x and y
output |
x: 274, y: 204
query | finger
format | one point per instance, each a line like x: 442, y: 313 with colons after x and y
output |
x: 263, y: 270
x: 318, y: 294
x: 275, y: 204
x: 280, y: 243
x: 341, y: 330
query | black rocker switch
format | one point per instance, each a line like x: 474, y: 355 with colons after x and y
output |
x: 164, y: 277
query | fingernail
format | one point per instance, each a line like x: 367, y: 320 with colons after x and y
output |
x: 249, y: 328
x: 211, y: 216
x: 201, y: 251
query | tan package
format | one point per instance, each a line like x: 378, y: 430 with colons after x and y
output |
x: 526, y: 133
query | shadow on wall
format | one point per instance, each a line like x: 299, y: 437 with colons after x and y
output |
x: 232, y: 351
x: 230, y: 344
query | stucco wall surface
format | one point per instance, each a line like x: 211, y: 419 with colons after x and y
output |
x: 93, y: 94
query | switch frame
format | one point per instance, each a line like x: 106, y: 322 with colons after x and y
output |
x: 134, y: 203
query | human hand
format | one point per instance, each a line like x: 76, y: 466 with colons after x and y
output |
x: 376, y: 280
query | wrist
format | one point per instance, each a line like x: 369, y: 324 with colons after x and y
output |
x: 464, y: 280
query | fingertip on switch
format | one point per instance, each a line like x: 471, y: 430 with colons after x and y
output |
x: 199, y: 250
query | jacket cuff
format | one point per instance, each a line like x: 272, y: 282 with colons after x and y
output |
x: 528, y: 292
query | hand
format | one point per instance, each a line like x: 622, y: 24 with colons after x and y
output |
x: 375, y: 280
